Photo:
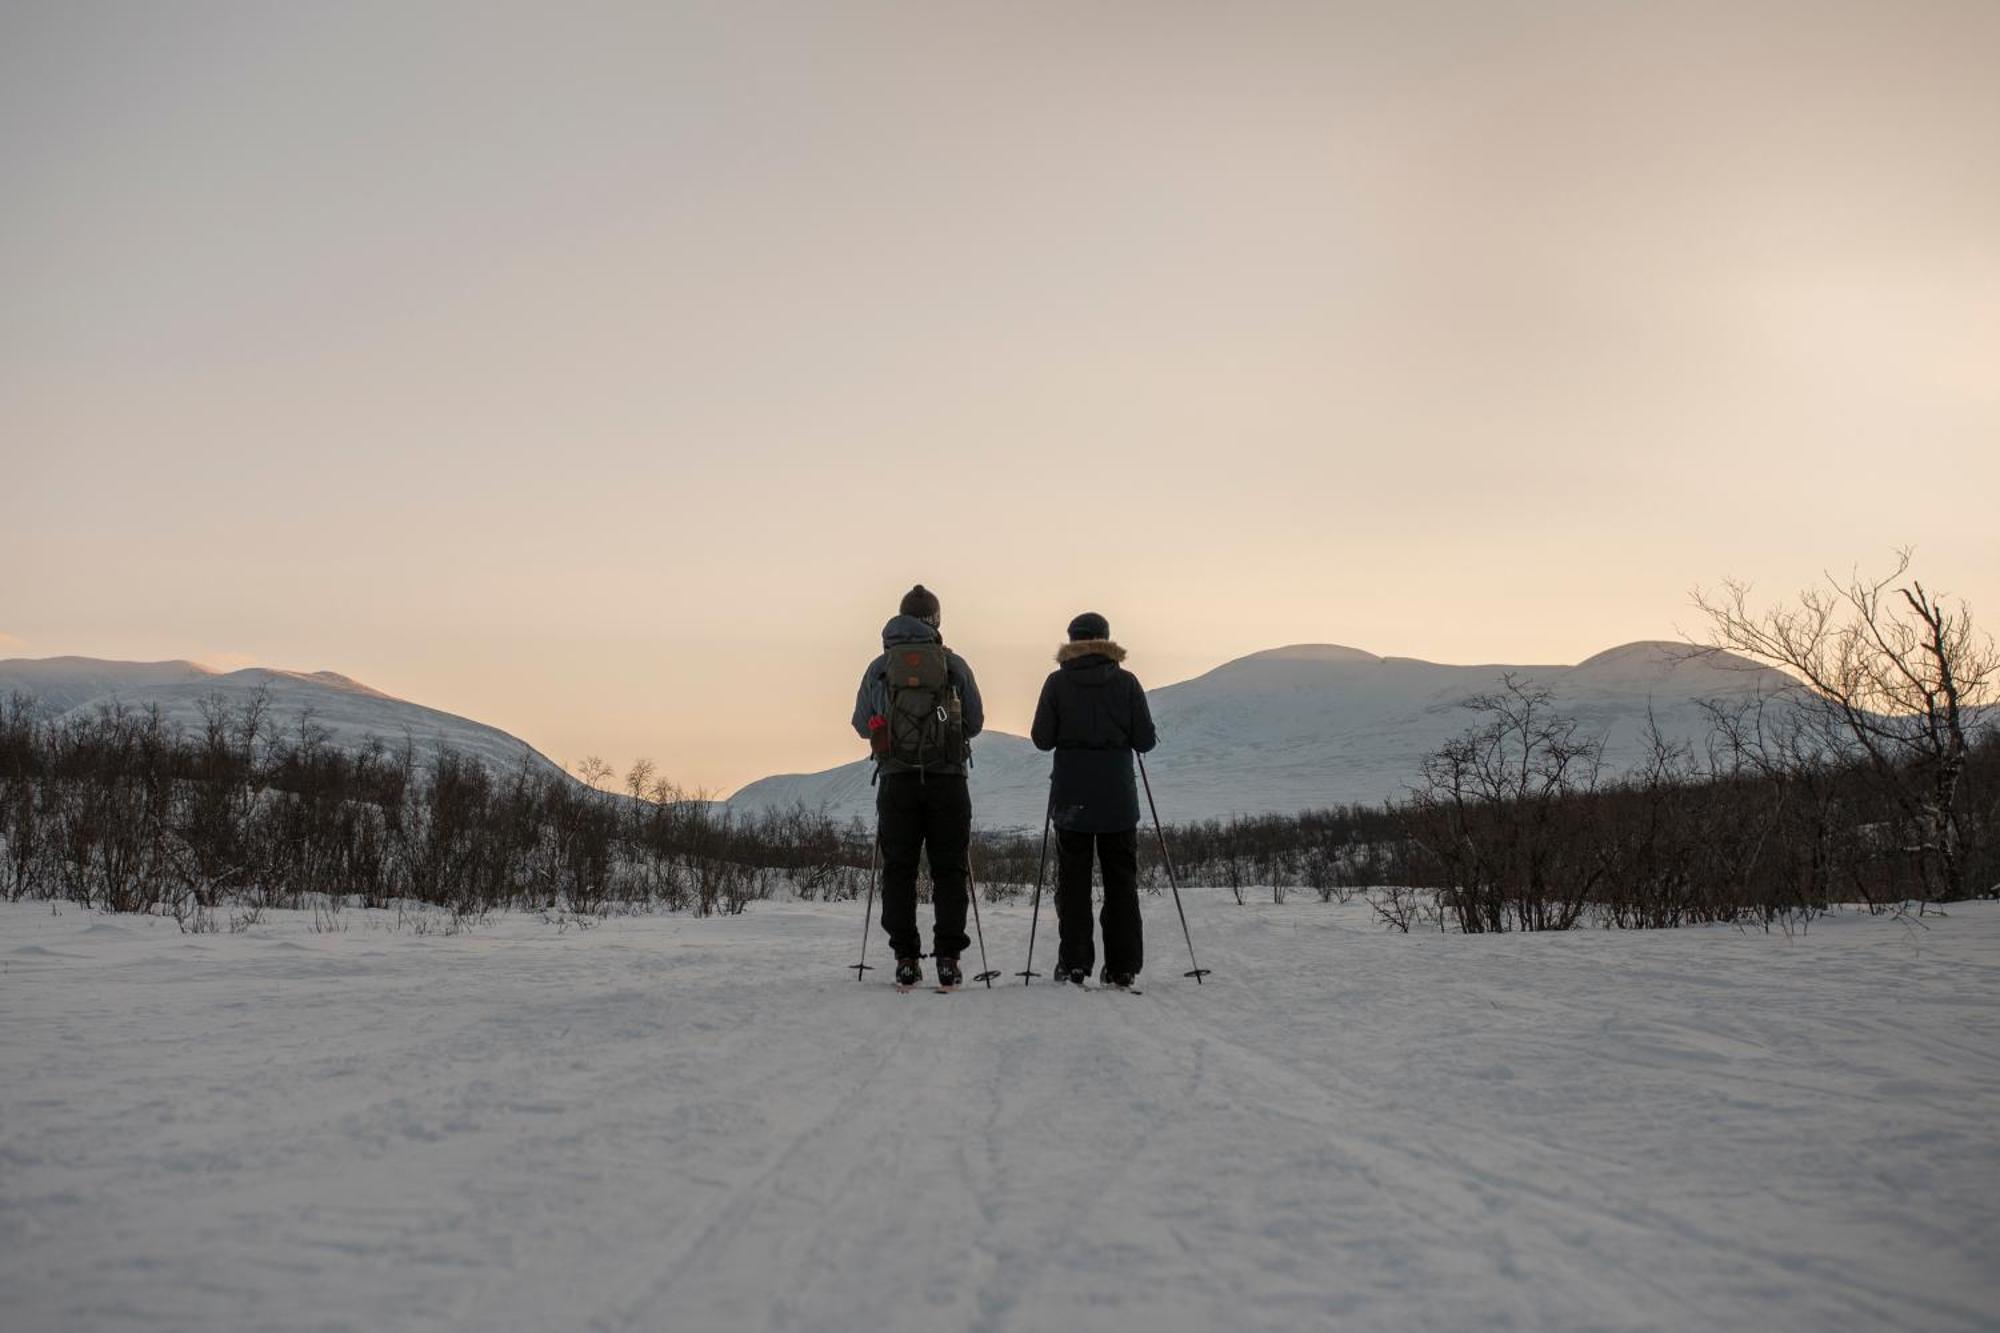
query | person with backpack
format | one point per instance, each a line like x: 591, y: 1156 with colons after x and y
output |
x: 1093, y: 714
x: 918, y: 708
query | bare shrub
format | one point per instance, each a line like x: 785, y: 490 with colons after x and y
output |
x: 1497, y: 816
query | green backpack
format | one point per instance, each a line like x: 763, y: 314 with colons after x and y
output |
x: 926, y: 721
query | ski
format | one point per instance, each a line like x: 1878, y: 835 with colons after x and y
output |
x: 947, y: 990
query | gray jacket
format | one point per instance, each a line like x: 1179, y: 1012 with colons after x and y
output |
x: 873, y: 696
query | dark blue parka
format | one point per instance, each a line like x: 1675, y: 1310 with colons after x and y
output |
x: 1093, y: 714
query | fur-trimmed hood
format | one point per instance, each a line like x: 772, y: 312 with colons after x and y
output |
x: 1069, y: 652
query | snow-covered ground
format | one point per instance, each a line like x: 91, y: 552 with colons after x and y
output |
x: 664, y: 1123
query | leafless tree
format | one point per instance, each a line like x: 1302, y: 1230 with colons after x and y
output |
x: 1898, y: 678
x: 639, y: 779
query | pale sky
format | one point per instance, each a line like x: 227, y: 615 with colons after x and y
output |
x: 607, y: 372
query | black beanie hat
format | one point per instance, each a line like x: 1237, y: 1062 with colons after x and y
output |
x: 1089, y: 625
x: 920, y: 602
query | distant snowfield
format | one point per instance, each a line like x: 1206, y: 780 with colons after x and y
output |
x: 664, y: 1123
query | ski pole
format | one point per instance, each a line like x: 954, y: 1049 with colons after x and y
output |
x: 868, y: 916
x: 986, y: 974
x: 1172, y: 879
x: 1034, y: 918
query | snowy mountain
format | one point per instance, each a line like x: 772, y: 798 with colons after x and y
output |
x: 59, y: 684
x: 1320, y: 724
x: 346, y: 711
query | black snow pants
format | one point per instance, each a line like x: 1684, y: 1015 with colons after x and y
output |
x: 917, y: 813
x: 1124, y: 941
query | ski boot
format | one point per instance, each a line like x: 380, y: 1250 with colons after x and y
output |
x: 909, y: 971
x: 1075, y: 976
x: 948, y: 973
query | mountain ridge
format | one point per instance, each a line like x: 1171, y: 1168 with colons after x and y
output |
x: 1271, y: 732
x: 348, y: 712
x: 1308, y: 725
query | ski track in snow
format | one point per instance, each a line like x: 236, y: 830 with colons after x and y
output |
x: 664, y: 1123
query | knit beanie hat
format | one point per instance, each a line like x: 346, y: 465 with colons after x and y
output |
x: 1089, y: 625
x: 922, y: 603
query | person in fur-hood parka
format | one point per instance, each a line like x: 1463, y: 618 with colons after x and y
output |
x: 1093, y: 714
